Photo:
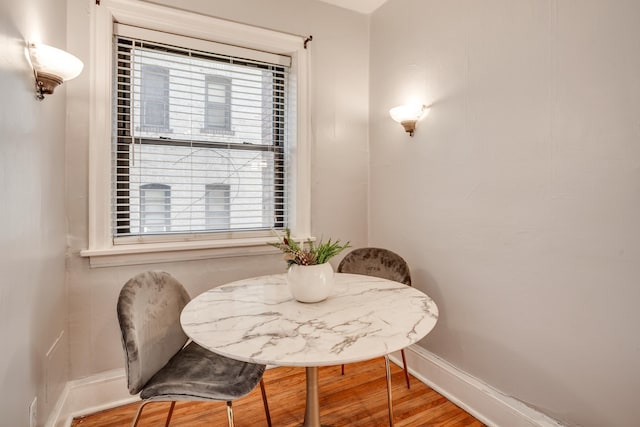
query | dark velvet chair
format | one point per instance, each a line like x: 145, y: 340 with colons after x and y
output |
x: 381, y: 263
x: 162, y: 363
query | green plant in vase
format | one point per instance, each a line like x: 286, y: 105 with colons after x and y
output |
x: 309, y: 274
x: 312, y: 254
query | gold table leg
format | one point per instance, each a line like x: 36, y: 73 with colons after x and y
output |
x: 312, y: 408
x: 389, y: 399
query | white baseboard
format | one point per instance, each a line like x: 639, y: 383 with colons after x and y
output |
x: 479, y: 399
x: 88, y: 395
x: 109, y: 389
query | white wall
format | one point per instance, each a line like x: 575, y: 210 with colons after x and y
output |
x: 517, y: 201
x: 339, y: 169
x: 33, y: 308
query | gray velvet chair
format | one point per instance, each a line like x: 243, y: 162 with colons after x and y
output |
x: 381, y: 263
x: 159, y: 365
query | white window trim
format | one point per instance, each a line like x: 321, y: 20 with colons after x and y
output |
x: 101, y: 250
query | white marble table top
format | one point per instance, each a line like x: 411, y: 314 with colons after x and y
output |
x: 257, y: 320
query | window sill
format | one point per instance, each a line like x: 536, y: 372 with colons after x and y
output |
x: 217, y: 131
x: 149, y: 253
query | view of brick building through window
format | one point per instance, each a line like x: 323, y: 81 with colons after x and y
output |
x: 202, y: 146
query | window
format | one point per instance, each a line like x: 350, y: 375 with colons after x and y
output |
x: 155, y: 98
x: 217, y: 206
x: 155, y: 208
x: 160, y: 132
x: 196, y: 89
x: 218, y: 104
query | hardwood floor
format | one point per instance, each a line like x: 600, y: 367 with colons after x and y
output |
x: 357, y: 399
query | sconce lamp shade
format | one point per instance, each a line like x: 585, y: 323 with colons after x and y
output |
x: 408, y: 115
x: 52, y: 66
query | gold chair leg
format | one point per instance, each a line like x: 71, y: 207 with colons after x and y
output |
x: 173, y: 404
x: 406, y: 371
x: 230, y: 414
x: 266, y: 404
x: 138, y: 413
x: 388, y: 368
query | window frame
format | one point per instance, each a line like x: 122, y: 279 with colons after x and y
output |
x: 101, y: 249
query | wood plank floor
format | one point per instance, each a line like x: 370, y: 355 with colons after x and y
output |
x: 357, y: 399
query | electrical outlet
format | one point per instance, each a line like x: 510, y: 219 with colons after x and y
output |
x: 33, y: 412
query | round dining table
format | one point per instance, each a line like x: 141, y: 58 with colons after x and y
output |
x: 257, y: 320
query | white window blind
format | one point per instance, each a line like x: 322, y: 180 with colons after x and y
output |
x: 209, y: 126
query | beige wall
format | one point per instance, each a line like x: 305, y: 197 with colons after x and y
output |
x: 517, y: 201
x: 339, y: 165
x: 33, y: 308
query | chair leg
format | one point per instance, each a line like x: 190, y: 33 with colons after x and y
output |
x: 343, y: 369
x: 230, y: 414
x: 388, y: 369
x: 266, y: 404
x: 406, y: 371
x: 173, y: 404
x: 138, y: 413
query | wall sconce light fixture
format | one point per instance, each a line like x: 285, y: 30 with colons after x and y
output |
x: 51, y: 67
x: 408, y: 115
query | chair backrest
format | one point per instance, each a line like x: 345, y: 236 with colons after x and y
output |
x: 376, y: 262
x: 149, y: 308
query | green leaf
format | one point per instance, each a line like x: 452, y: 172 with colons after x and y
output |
x: 315, y: 254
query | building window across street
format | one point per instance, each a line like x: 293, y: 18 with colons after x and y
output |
x: 217, y: 206
x: 218, y: 104
x: 155, y: 208
x: 155, y: 98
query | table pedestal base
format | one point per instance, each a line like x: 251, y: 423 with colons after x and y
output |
x: 312, y: 407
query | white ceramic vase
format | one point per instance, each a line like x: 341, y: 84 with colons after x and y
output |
x: 310, y: 283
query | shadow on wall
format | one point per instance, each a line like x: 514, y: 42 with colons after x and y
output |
x: 14, y: 68
x: 451, y: 344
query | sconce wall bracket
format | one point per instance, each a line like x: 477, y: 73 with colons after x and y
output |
x: 46, y: 84
x: 409, y: 126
